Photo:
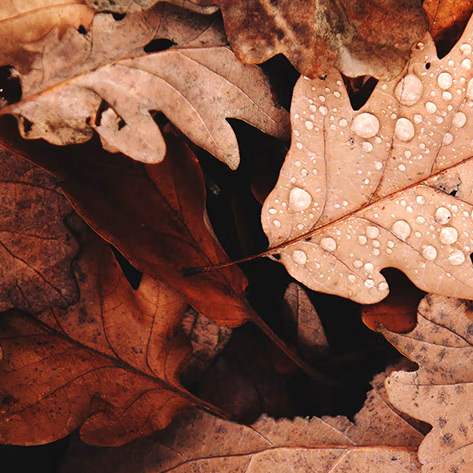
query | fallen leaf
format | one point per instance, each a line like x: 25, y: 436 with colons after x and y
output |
x: 105, y: 81
x: 398, y: 311
x: 207, y: 338
x: 133, y: 6
x: 36, y: 247
x: 378, y: 441
x: 311, y: 341
x: 109, y: 364
x: 447, y: 18
x: 358, y: 37
x: 440, y: 391
x: 25, y: 22
x: 385, y: 186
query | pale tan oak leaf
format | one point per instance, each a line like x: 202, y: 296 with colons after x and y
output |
x: 389, y: 185
x: 104, y: 80
x: 440, y: 392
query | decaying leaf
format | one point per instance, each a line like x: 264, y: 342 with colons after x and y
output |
x: 25, y: 22
x: 105, y: 81
x: 109, y: 364
x: 310, y: 340
x: 440, y: 392
x: 358, y: 37
x: 378, y: 441
x: 388, y: 185
x: 36, y: 248
x: 133, y: 6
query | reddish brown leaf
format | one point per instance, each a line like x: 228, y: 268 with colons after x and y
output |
x: 359, y: 37
x: 36, y: 248
x: 109, y: 364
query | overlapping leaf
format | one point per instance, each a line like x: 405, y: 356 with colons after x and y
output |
x: 109, y: 364
x: 388, y: 185
x: 36, y: 247
x: 358, y: 37
x: 103, y: 80
x: 440, y: 392
x: 379, y: 440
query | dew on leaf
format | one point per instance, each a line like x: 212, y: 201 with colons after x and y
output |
x: 429, y: 253
x: 299, y: 257
x: 456, y: 257
x: 442, y: 215
x: 448, y: 235
x: 328, y: 244
x: 404, y: 129
x: 444, y: 80
x: 409, y: 90
x: 365, y: 125
x: 299, y: 199
x: 401, y: 229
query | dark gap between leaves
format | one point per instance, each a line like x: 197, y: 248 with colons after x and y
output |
x: 132, y: 274
x: 157, y: 45
x: 10, y: 85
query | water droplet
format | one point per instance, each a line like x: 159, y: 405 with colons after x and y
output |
x: 444, y: 80
x: 466, y: 64
x: 276, y: 223
x: 465, y: 49
x: 447, y: 139
x: 442, y: 215
x: 409, y: 90
x: 299, y: 199
x: 372, y: 232
x: 352, y: 278
x: 369, y: 268
x: 404, y: 129
x: 401, y: 167
x: 378, y: 165
x: 343, y: 123
x: 328, y: 244
x: 447, y: 96
x: 272, y: 211
x: 429, y: 253
x: 456, y: 258
x: 323, y: 110
x: 431, y: 107
x: 357, y: 263
x: 448, y: 235
x: 401, y: 229
x: 420, y: 220
x: 420, y: 199
x: 362, y: 240
x: 459, y: 119
x: 365, y: 125
x: 367, y: 146
x: 383, y: 286
x: 369, y: 283
x: 299, y: 257
x: 308, y: 125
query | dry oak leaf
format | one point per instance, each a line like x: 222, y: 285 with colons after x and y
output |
x: 379, y: 441
x: 440, y: 392
x: 25, y: 22
x: 154, y: 214
x: 358, y: 37
x: 36, y: 247
x: 105, y: 81
x: 388, y: 185
x: 109, y: 364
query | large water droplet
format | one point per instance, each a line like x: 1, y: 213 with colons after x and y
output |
x: 299, y: 257
x: 429, y: 253
x: 444, y: 80
x: 328, y: 244
x: 401, y: 229
x: 459, y: 119
x: 409, y: 90
x: 369, y: 268
x: 443, y: 215
x: 448, y: 235
x: 299, y: 199
x: 372, y: 232
x: 456, y: 258
x: 404, y: 130
x: 365, y: 125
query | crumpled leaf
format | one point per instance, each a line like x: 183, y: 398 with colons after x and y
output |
x: 388, y: 185
x: 310, y: 337
x: 378, y: 441
x: 109, y: 364
x: 440, y: 391
x: 25, y: 22
x: 104, y: 81
x: 358, y: 37
x: 36, y: 248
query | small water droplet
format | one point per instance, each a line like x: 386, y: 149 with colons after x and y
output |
x: 466, y: 64
x: 352, y: 278
x: 299, y: 199
x: 459, y: 119
x: 431, y: 107
x: 365, y: 125
x: 299, y: 257
x: 442, y: 215
x: 404, y: 129
x: 444, y: 80
x: 299, y: 145
x: 343, y: 123
x: 447, y: 96
x: 367, y: 146
x: 465, y: 49
x: 369, y: 268
x: 272, y: 211
x: 369, y: 283
x: 448, y: 235
x: 383, y: 286
x: 378, y: 165
x: 362, y: 240
x: 420, y: 199
x: 372, y: 232
x: 357, y: 263
x: 429, y: 253
x: 408, y: 90
x: 447, y: 139
x: 276, y: 223
x: 456, y: 258
x: 420, y: 219
x: 308, y: 125
x: 328, y: 244
x: 401, y: 229
x: 323, y: 110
